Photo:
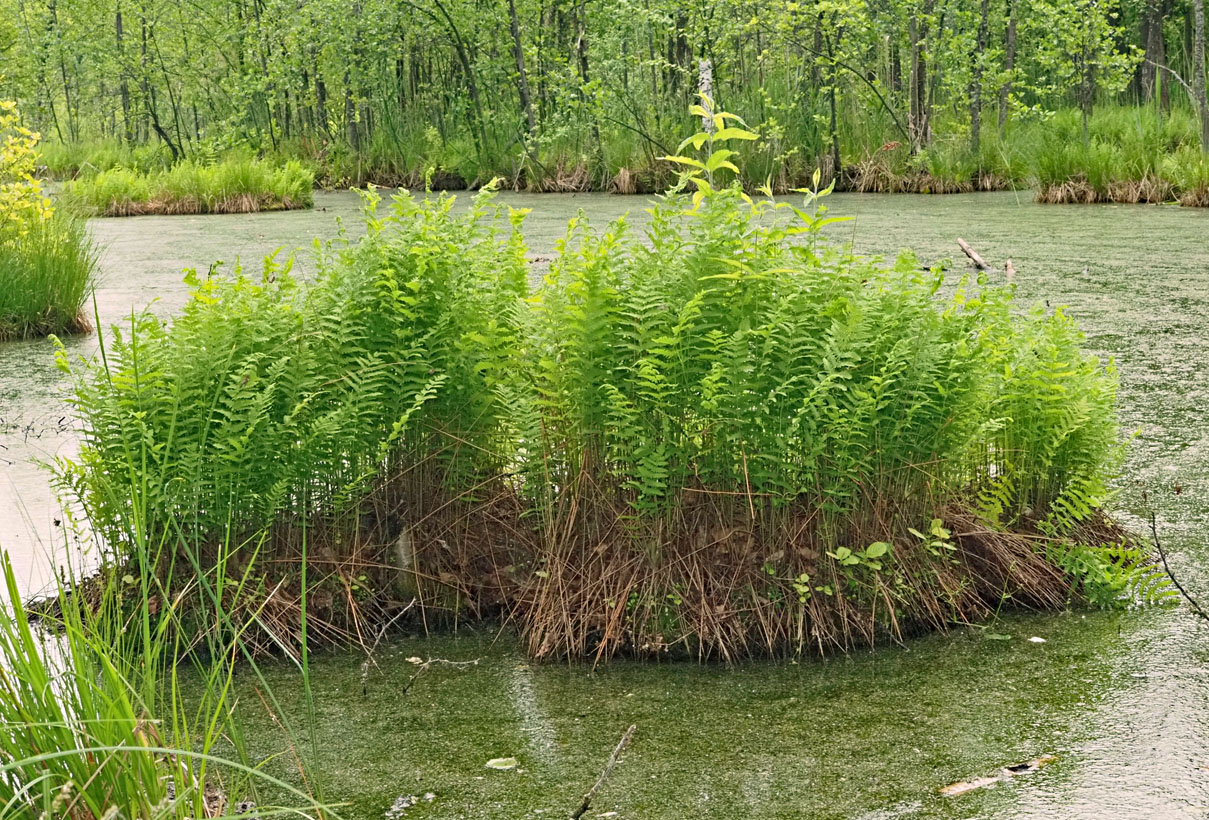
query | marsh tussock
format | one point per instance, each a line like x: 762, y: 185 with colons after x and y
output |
x: 1082, y: 192
x: 236, y: 186
x: 724, y: 438
x: 47, y: 260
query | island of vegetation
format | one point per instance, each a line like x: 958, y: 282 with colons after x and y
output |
x: 232, y: 186
x: 724, y: 438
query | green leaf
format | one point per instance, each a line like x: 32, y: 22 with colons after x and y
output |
x: 877, y: 549
x: 686, y: 161
x: 732, y: 133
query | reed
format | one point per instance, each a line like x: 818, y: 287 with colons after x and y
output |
x: 94, y: 723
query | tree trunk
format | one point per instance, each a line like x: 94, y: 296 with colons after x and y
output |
x: 522, y: 79
x: 896, y: 67
x: 581, y: 50
x: 1155, y: 45
x: 976, y: 78
x: 1198, y: 69
x: 832, y: 82
x: 1009, y: 65
x: 350, y: 112
x: 920, y: 99
x: 123, y: 85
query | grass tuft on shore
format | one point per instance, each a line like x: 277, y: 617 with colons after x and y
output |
x: 47, y: 260
x: 95, y: 722
x: 47, y: 271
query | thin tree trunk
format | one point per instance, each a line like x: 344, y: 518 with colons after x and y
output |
x: 522, y: 79
x: 581, y: 48
x: 1198, y: 69
x: 1009, y: 65
x: 123, y: 85
x: 976, y: 78
x: 1156, y: 53
x: 320, y: 95
x: 920, y: 98
x: 832, y: 83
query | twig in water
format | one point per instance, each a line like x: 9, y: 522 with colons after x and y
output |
x: 369, y: 655
x: 1196, y: 608
x: 608, y: 769
x: 426, y: 664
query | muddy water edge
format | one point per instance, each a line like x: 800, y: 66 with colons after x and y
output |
x: 1121, y: 699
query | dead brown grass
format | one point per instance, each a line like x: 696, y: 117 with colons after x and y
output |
x: 722, y: 584
x: 1195, y: 198
x: 719, y: 581
x: 722, y: 580
x: 44, y: 326
x: 1080, y: 192
x: 876, y: 174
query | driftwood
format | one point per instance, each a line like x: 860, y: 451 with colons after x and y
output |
x: 975, y: 259
x: 608, y: 769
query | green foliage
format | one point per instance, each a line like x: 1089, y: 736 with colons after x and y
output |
x: 394, y: 92
x: 721, y: 350
x: 47, y: 260
x: 235, y: 185
x: 267, y: 400
x: 1114, y: 575
x: 65, y: 161
x: 46, y: 272
x: 730, y: 372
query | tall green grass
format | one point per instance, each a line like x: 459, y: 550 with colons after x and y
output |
x: 1130, y: 155
x: 1133, y: 154
x: 94, y: 723
x: 65, y: 161
x: 47, y: 268
x: 235, y: 185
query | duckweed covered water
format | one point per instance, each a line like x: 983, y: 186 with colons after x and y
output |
x: 1120, y: 698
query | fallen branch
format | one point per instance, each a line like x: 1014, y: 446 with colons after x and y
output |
x: 1174, y: 74
x: 977, y: 260
x: 608, y: 769
x: 1196, y: 608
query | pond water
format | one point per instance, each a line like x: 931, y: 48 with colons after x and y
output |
x: 1121, y: 699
